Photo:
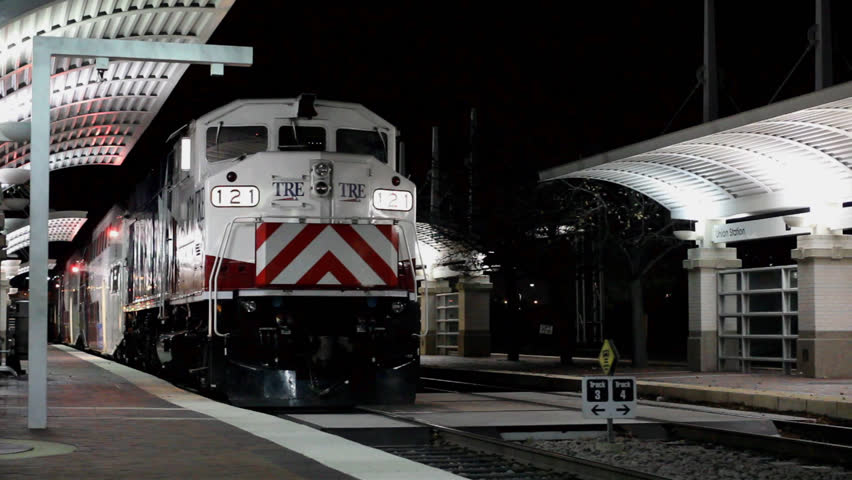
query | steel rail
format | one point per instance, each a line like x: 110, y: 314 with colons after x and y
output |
x: 826, y: 443
x: 523, y: 454
x: 793, y: 447
x: 817, y: 431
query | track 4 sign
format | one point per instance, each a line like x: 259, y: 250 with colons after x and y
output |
x: 609, y: 397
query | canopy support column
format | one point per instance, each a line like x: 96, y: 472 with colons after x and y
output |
x: 824, y: 347
x: 44, y: 48
x: 703, y: 265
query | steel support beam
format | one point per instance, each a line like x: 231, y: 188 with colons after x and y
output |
x: 44, y: 48
x: 824, y: 59
x: 711, y: 75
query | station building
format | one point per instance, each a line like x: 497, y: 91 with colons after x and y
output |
x: 784, y: 169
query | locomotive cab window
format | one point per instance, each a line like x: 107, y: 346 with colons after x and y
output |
x: 311, y: 139
x: 224, y: 143
x: 364, y: 142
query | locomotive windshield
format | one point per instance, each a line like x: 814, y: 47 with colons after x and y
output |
x: 363, y: 142
x: 311, y: 139
x: 230, y: 142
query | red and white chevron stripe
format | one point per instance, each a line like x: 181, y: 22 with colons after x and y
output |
x: 305, y: 255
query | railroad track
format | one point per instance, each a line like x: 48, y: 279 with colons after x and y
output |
x: 816, y: 432
x: 480, y: 457
x: 803, y: 440
x: 812, y: 450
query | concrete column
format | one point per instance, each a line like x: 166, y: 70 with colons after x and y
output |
x: 474, y: 317
x: 8, y: 270
x: 429, y: 314
x: 703, y: 265
x: 824, y: 347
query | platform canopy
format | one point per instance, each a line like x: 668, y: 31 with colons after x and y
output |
x: 25, y: 267
x: 787, y: 155
x: 447, y: 252
x: 96, y: 117
x: 61, y: 227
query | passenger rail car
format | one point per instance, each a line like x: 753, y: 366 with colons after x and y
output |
x: 271, y: 258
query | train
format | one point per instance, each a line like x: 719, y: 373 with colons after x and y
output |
x: 270, y: 258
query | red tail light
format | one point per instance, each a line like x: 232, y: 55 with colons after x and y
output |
x: 405, y: 275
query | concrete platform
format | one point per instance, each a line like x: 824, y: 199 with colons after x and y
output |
x: 521, y: 415
x: 558, y: 410
x: 366, y: 428
x: 767, y: 391
x: 106, y: 420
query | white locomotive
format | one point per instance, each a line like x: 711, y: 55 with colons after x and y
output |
x: 271, y: 258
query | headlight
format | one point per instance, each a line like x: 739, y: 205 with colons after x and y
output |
x: 397, y: 307
x: 248, y: 305
x: 322, y: 169
x: 322, y: 188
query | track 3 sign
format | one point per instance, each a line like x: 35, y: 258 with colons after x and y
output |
x: 609, y: 397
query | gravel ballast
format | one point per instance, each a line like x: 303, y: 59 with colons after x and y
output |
x: 687, y: 460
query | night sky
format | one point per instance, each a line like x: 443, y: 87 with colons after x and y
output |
x: 553, y: 82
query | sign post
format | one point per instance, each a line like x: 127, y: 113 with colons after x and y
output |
x: 609, y: 397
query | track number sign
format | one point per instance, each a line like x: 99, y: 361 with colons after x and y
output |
x: 235, y: 196
x: 623, y: 389
x: 609, y: 397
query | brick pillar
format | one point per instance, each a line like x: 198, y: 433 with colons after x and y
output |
x: 702, y: 265
x: 429, y: 314
x: 824, y: 347
x: 474, y: 317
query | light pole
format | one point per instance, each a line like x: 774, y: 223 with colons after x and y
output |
x: 44, y: 48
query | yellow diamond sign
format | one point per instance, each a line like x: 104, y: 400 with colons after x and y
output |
x: 608, y: 358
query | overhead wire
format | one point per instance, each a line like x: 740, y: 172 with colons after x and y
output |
x: 811, y: 45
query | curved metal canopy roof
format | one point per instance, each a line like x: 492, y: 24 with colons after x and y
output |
x: 25, y: 267
x: 792, y: 154
x: 61, y: 227
x: 96, y: 119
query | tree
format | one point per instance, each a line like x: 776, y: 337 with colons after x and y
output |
x: 630, y: 223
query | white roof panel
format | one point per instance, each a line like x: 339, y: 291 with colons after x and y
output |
x: 796, y: 153
x: 61, y: 227
x: 97, y: 118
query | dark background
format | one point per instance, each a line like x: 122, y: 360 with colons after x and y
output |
x: 552, y: 82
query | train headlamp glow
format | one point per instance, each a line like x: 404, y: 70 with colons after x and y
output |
x: 399, y: 200
x: 397, y: 307
x: 321, y: 188
x: 248, y: 305
x: 322, y: 169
